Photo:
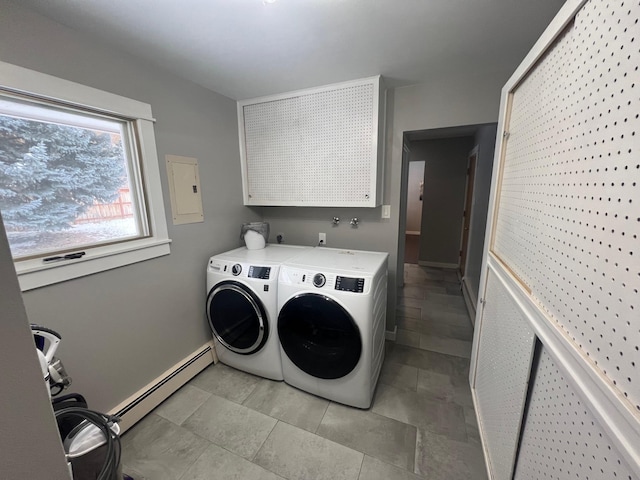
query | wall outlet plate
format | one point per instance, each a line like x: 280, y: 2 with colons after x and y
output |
x: 386, y: 211
x: 322, y: 238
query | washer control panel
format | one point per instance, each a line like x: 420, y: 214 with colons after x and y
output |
x: 262, y: 273
x: 350, y: 284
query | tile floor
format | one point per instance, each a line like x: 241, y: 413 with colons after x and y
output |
x: 227, y: 424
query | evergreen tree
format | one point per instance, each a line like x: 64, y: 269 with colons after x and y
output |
x: 50, y: 173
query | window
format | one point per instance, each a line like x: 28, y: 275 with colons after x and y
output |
x: 79, y: 181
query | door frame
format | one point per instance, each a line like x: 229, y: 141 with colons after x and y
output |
x: 467, y: 214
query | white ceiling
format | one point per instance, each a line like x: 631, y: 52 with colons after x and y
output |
x: 245, y: 48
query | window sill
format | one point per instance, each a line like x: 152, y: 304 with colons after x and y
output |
x: 33, y: 274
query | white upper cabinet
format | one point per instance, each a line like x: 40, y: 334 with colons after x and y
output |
x: 319, y: 147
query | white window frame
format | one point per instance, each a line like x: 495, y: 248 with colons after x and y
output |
x: 32, y: 273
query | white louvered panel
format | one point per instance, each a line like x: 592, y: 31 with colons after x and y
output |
x: 504, y: 362
x: 313, y: 149
x: 568, y: 222
x: 561, y: 439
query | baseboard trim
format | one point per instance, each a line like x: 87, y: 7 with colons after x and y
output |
x: 437, y: 264
x: 134, y: 408
x: 391, y: 334
x: 469, y: 301
x: 483, y: 436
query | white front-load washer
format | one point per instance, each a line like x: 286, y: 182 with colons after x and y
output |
x: 331, y: 322
x: 242, y: 307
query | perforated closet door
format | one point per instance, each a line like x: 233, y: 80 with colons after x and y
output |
x: 313, y: 149
x: 564, y: 238
x: 568, y: 222
x: 504, y: 361
x: 562, y: 440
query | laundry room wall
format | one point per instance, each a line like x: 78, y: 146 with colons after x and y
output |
x: 124, y: 327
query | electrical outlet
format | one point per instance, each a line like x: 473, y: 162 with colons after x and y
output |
x: 322, y: 238
x: 280, y: 237
x: 386, y: 211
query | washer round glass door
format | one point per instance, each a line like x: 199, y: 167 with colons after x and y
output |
x: 319, y: 336
x: 237, y: 317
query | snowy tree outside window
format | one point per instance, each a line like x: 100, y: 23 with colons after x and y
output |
x: 64, y: 179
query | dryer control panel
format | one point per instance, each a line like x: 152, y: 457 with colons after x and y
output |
x: 350, y: 284
x: 324, y: 281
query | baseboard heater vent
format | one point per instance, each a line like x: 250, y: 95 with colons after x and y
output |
x: 134, y: 408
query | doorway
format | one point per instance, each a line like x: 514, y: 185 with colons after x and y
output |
x: 415, y: 187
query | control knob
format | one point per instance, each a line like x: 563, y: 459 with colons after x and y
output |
x: 319, y: 280
x: 236, y: 269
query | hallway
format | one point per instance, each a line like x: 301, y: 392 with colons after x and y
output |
x: 431, y: 358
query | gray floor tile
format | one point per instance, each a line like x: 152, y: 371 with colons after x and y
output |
x: 411, y: 291
x: 293, y: 406
x: 378, y: 436
x: 179, y: 406
x: 417, y: 273
x: 410, y: 302
x: 399, y: 376
x: 454, y: 302
x: 430, y: 326
x: 408, y: 338
x: 451, y: 276
x: 226, y: 382
x: 427, y: 360
x: 440, y: 457
x: 409, y: 312
x: 453, y: 288
x: 450, y: 346
x: 473, y: 431
x: 421, y: 410
x: 232, y: 426
x: 299, y: 455
x: 218, y: 464
x: 158, y: 449
x: 445, y: 388
x: 374, y: 469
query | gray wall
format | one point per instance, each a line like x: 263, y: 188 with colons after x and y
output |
x: 124, y: 327
x: 30, y: 443
x: 485, y: 139
x: 414, y: 202
x: 445, y: 176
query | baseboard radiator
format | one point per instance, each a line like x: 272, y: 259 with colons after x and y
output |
x: 134, y: 408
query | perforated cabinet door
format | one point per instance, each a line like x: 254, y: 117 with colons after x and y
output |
x: 316, y: 148
x: 504, y: 363
x: 562, y: 439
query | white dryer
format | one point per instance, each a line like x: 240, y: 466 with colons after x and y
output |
x: 242, y: 307
x: 332, y: 309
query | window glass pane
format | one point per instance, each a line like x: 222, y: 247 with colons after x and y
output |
x: 65, y: 181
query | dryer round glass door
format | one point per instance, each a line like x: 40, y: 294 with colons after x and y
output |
x: 237, y: 317
x: 319, y: 336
